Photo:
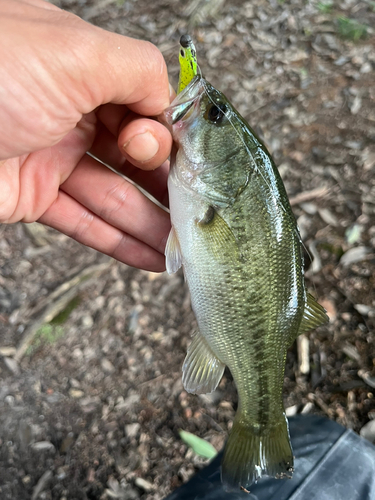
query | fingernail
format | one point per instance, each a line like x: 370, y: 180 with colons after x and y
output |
x: 142, y: 147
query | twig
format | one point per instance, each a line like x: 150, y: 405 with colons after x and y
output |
x: 322, y: 405
x: 303, y: 354
x: 41, y: 484
x: 60, y: 299
x: 367, y: 378
x: 309, y: 195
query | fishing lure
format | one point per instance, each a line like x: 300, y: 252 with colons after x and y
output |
x: 188, y: 62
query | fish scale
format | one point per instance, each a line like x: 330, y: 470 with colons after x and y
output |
x: 236, y: 237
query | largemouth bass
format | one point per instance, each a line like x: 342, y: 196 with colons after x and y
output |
x: 235, y: 235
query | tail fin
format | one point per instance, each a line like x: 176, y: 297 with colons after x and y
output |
x: 249, y: 456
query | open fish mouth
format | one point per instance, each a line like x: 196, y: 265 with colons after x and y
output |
x: 184, y: 102
x: 180, y: 111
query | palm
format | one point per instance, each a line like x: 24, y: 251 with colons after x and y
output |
x: 60, y: 114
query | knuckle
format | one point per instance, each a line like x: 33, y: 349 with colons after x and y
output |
x: 82, y: 227
x: 118, y: 248
x: 8, y: 204
x: 115, y: 200
x: 156, y: 59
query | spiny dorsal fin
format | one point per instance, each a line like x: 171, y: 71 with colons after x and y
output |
x: 173, y: 253
x: 202, y: 370
x: 314, y: 315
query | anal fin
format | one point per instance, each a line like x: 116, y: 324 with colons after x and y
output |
x: 314, y: 315
x: 202, y: 370
x: 173, y: 253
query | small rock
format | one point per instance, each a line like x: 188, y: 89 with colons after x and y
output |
x: 7, y: 351
x: 127, y: 403
x: 143, y: 484
x: 354, y: 255
x: 308, y: 407
x: 363, y: 309
x: 107, y: 366
x: 77, y: 353
x: 87, y: 321
x: 157, y: 335
x: 341, y: 61
x: 368, y: 158
x: 76, y: 393
x: 67, y: 443
x: 356, y: 106
x: 61, y: 473
x: 367, y: 378
x: 291, y: 410
x: 368, y: 431
x: 309, y: 208
x: 147, y: 354
x: 54, y: 398
x: 366, y: 68
x: 153, y: 276
x: 131, y: 430
x: 352, y: 352
x: 42, y: 446
x: 328, y: 217
x: 12, y: 365
x: 74, y: 383
x: 212, y: 398
x: 9, y: 400
x: 38, y: 233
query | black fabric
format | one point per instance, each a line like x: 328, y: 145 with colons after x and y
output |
x: 331, y: 463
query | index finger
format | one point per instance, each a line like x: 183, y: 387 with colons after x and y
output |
x: 128, y: 71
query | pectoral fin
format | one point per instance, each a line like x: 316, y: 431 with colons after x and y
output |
x: 202, y: 370
x: 173, y: 253
x: 314, y: 315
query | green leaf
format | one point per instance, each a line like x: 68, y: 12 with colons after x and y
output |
x: 353, y: 234
x: 325, y: 7
x: 199, y: 445
x: 351, y: 29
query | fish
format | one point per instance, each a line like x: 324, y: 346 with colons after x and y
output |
x: 234, y: 234
x: 188, y: 62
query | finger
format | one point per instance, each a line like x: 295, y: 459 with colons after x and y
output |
x: 71, y: 218
x: 145, y: 143
x: 112, y: 115
x: 29, y: 185
x: 106, y: 149
x: 154, y: 182
x: 118, y: 202
x: 123, y: 70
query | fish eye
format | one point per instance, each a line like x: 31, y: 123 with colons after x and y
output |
x: 215, y: 112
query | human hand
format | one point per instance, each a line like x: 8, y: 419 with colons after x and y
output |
x: 67, y: 87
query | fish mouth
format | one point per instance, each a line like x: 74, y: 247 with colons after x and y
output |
x: 180, y: 111
x: 183, y: 103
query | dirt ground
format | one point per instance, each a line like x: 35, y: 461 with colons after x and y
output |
x: 91, y: 398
